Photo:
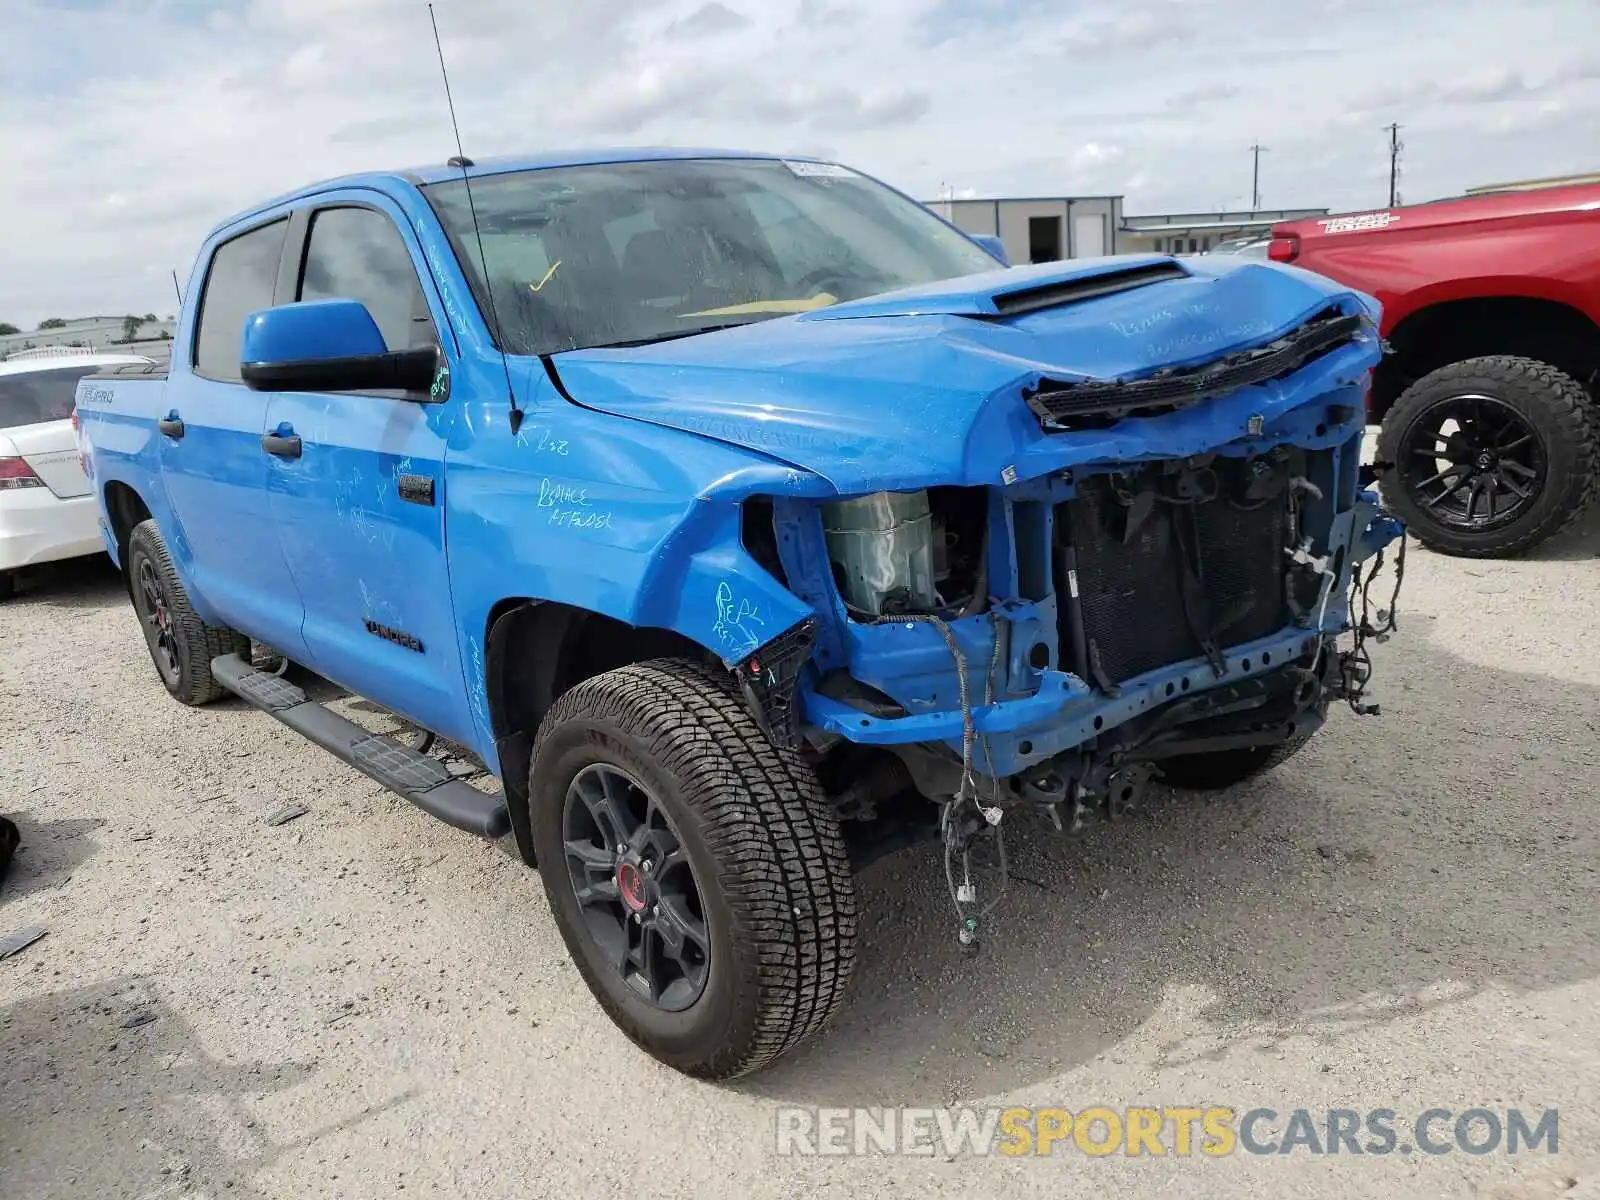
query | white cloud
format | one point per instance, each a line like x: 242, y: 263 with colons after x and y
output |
x: 130, y: 129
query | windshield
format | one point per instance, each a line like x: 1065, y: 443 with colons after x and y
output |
x: 1248, y: 247
x: 629, y: 253
x: 35, y: 396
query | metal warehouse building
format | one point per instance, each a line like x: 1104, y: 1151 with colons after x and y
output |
x: 1044, y: 229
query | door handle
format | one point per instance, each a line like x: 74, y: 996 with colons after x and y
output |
x: 171, y: 426
x: 284, y: 445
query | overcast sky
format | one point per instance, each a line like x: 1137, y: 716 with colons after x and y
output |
x: 129, y: 127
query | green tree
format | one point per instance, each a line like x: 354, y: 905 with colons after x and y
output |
x: 130, y: 327
x: 151, y: 317
x: 52, y: 323
x: 7, y: 328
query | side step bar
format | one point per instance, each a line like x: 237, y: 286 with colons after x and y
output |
x: 417, y: 777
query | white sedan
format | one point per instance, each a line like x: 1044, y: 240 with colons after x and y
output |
x: 47, y: 508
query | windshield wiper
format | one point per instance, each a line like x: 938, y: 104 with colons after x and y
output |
x: 670, y: 336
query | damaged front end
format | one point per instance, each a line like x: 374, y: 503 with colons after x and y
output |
x: 1158, y: 585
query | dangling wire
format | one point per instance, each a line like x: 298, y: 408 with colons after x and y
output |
x: 950, y: 811
x: 1358, y: 663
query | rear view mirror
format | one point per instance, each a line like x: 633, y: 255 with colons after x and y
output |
x: 328, y: 346
x: 993, y: 245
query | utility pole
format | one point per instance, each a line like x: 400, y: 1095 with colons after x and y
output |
x: 1394, y: 163
x: 1255, y: 178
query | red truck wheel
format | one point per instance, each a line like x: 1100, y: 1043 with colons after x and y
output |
x: 1489, y: 457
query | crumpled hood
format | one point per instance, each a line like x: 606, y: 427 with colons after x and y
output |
x: 926, y: 385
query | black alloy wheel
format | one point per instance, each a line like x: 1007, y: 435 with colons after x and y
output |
x: 637, y: 891
x: 155, y: 614
x: 1482, y: 474
x: 181, y: 645
x: 1489, y: 457
x: 696, y: 872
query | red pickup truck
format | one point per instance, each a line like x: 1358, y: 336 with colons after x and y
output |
x: 1491, y: 310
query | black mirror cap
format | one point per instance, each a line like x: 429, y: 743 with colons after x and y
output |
x: 399, y: 370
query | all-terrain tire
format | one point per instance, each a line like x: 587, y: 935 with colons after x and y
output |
x: 1223, y: 768
x: 183, y: 661
x: 768, y: 859
x: 1557, y: 409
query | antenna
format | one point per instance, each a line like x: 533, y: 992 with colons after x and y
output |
x: 175, y: 286
x: 461, y: 160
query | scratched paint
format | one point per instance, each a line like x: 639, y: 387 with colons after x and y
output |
x: 541, y: 439
x: 552, y: 493
x: 379, y: 609
x: 440, y: 276
x: 477, y: 684
x: 579, y: 518
x: 738, y: 622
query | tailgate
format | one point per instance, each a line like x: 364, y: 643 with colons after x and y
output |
x: 50, y: 448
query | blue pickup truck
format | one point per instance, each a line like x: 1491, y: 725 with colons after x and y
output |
x: 747, y: 521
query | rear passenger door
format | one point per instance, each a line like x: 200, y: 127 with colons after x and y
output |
x: 212, y: 460
x: 360, y: 512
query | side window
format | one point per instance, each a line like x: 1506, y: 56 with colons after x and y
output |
x: 239, y: 283
x: 358, y: 254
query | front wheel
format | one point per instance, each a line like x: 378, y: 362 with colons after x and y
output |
x: 1489, y: 457
x: 696, y: 873
x: 1224, y: 768
x: 181, y: 644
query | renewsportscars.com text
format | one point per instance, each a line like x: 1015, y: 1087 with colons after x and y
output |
x: 1210, y: 1131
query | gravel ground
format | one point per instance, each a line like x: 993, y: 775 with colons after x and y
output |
x: 363, y: 1002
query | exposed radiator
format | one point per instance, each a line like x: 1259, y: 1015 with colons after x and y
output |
x: 1132, y: 587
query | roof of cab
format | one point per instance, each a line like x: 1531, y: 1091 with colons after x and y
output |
x: 441, y: 171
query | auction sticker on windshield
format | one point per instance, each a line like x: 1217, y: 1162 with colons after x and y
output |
x: 819, y: 170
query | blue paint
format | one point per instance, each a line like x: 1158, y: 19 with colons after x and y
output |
x: 627, y: 502
x: 309, y: 330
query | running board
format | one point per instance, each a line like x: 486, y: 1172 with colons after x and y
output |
x: 417, y: 777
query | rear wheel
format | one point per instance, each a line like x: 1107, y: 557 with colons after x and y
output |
x: 181, y: 644
x: 696, y: 873
x: 1491, y: 456
x: 8, y: 585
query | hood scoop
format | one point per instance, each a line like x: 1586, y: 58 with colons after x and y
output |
x: 1070, y: 291
x: 1014, y: 292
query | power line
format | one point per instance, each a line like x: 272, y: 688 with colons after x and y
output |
x: 1255, y: 178
x: 1395, y: 146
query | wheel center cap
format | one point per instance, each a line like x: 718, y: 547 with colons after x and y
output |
x: 630, y: 886
x: 1485, y: 461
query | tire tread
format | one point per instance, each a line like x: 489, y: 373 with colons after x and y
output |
x: 782, y: 859
x: 1568, y: 419
x: 202, y: 642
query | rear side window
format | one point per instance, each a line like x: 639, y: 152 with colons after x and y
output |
x: 239, y: 283
x: 36, y: 396
x: 358, y: 254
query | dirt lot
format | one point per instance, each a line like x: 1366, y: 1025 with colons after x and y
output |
x: 364, y: 1003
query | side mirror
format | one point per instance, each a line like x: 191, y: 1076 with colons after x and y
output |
x: 328, y: 346
x: 993, y: 245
